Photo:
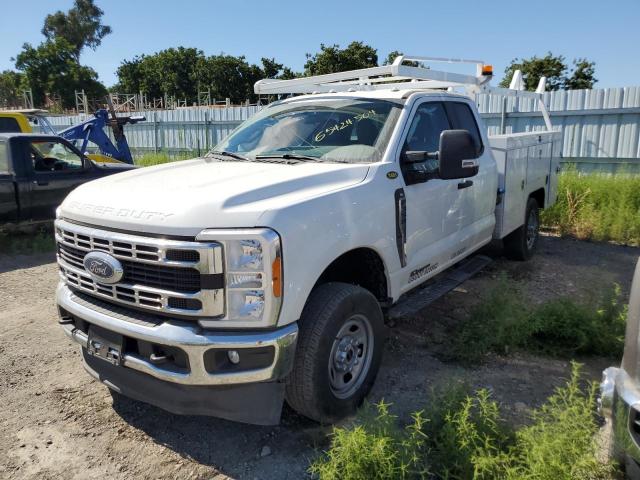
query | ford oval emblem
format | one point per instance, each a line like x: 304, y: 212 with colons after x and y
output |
x: 103, y: 267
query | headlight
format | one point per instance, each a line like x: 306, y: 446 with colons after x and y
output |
x: 253, y: 274
x: 58, y: 211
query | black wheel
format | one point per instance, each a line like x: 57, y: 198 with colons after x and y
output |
x: 521, y: 244
x: 339, y: 350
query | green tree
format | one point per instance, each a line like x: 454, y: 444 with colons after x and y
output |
x: 181, y: 71
x: 230, y: 77
x: 392, y: 56
x: 51, y: 67
x: 81, y: 26
x: 555, y: 69
x: 550, y: 66
x: 11, y: 84
x: 331, y: 59
x: 582, y: 76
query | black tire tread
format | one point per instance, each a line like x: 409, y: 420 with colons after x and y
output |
x: 515, y: 244
x: 300, y: 387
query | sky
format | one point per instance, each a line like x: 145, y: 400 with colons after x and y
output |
x: 495, y: 31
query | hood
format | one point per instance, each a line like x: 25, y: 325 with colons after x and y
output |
x: 185, y: 197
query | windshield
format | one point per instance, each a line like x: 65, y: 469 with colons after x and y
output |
x: 333, y: 130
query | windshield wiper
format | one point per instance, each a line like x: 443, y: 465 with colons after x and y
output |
x: 237, y: 156
x: 290, y: 156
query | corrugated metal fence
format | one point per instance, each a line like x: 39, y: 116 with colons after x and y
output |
x: 601, y: 127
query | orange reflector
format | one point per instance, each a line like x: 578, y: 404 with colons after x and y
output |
x: 487, y: 70
x: 276, y: 277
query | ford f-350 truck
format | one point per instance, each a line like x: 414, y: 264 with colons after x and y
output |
x: 226, y: 284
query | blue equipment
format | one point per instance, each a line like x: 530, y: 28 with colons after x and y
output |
x: 92, y: 130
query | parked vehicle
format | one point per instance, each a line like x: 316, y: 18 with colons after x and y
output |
x: 222, y: 285
x: 90, y: 131
x: 620, y: 391
x: 38, y: 171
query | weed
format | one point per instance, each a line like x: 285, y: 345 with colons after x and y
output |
x: 563, y: 327
x: 374, y: 449
x: 504, y: 322
x: 460, y: 429
x: 24, y: 243
x: 597, y: 207
x: 461, y: 436
x: 498, y: 324
x: 149, y: 159
x: 559, y: 444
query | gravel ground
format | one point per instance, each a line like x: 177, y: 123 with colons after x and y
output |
x: 56, y: 422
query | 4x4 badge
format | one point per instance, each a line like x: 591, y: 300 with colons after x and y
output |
x: 392, y: 174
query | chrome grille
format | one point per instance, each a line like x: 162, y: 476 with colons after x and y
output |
x: 159, y: 274
x: 170, y: 278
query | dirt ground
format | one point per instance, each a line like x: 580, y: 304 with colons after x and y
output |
x: 56, y: 422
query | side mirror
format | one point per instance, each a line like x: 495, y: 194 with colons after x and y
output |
x: 457, y: 155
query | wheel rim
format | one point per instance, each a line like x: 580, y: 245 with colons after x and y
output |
x: 532, y: 229
x: 350, y: 357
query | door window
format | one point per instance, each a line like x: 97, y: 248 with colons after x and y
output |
x: 461, y: 118
x: 52, y: 156
x: 9, y: 125
x: 424, y: 134
x: 4, y: 158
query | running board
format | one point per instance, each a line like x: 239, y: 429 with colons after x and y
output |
x: 415, y: 301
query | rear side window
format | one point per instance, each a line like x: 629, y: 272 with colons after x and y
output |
x: 9, y: 125
x: 4, y: 158
x: 461, y: 118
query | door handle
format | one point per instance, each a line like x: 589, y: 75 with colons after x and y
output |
x: 465, y: 184
x: 40, y: 183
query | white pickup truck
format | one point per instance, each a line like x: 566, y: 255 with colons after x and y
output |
x: 262, y: 272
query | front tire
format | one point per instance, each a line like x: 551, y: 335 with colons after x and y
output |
x: 339, y: 350
x: 521, y: 244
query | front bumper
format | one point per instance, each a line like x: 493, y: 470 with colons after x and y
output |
x: 189, y: 338
x: 620, y: 404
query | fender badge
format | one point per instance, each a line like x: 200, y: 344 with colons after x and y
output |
x: 392, y: 175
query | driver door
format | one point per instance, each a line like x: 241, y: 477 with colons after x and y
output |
x: 56, y: 169
x: 434, y: 212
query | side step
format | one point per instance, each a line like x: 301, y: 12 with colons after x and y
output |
x: 413, y: 302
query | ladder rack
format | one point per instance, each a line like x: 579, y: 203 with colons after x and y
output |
x: 400, y: 76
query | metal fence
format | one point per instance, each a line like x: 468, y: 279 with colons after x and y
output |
x: 601, y: 127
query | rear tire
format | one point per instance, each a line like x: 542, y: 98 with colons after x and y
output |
x: 522, y: 243
x: 339, y: 350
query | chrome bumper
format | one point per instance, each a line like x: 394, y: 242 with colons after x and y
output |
x: 619, y: 403
x: 190, y: 338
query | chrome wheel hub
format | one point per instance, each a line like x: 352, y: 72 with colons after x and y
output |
x: 350, y: 356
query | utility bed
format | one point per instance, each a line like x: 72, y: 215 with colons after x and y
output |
x: 527, y: 162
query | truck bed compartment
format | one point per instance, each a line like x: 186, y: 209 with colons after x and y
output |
x: 526, y: 162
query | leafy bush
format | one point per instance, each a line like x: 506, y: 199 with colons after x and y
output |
x: 504, y: 322
x: 375, y: 449
x: 597, y: 206
x: 461, y: 436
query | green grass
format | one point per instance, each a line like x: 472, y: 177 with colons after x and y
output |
x: 503, y: 322
x: 463, y: 436
x: 25, y: 243
x: 601, y: 207
x: 149, y: 159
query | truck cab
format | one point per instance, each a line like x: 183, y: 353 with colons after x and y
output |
x: 37, y: 172
x: 262, y: 272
